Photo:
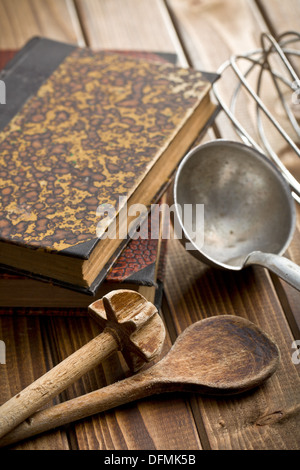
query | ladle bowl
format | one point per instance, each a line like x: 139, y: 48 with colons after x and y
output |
x: 249, y: 211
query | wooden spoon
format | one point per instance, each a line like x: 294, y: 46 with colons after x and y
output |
x: 220, y: 355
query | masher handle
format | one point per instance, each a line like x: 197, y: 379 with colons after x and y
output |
x: 37, y: 394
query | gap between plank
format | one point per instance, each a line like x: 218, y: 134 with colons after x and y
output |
x: 173, y: 31
x: 81, y: 23
x: 285, y: 305
x: 263, y: 13
x: 190, y: 399
x: 46, y: 327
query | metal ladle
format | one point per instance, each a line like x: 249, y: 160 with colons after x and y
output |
x: 249, y: 212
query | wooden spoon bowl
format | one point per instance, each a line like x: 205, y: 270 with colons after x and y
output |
x: 224, y: 354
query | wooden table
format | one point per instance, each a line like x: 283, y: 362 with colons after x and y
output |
x: 203, y: 34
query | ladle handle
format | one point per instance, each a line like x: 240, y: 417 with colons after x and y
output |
x: 283, y: 267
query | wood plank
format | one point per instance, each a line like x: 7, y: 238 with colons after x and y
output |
x: 28, y: 356
x: 290, y: 298
x: 129, y: 24
x: 265, y: 418
x: 20, y: 20
x: 280, y: 16
x: 211, y: 31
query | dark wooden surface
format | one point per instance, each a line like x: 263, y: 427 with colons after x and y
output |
x: 203, y: 33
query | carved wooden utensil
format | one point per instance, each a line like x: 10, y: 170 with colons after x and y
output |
x: 221, y: 355
x: 131, y: 325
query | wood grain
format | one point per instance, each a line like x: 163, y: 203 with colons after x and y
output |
x: 211, y: 31
x: 129, y: 24
x: 289, y: 297
x: 20, y: 20
x: 281, y: 16
x: 28, y: 356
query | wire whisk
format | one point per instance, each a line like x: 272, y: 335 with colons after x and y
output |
x: 276, y: 59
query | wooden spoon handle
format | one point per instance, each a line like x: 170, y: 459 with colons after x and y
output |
x: 32, y: 398
x: 130, y: 389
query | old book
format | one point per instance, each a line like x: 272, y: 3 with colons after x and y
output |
x: 83, y: 131
x: 140, y: 267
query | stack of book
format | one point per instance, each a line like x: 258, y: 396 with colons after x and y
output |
x: 89, y: 142
x: 139, y: 266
